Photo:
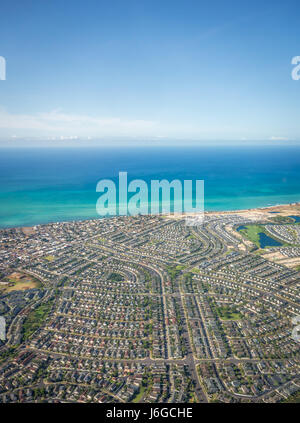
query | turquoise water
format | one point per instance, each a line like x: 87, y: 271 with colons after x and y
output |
x: 47, y: 185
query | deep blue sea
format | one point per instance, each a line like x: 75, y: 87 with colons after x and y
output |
x: 48, y: 185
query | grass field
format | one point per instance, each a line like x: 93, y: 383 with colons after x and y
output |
x: 252, y: 233
x: 35, y: 319
x: 139, y: 395
x: 145, y: 388
x: 228, y: 313
x: 49, y: 258
x: 19, y: 281
x: 260, y: 237
x: 180, y: 267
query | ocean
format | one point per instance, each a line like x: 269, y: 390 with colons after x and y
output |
x: 59, y: 184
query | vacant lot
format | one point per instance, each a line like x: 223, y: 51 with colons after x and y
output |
x: 18, y: 281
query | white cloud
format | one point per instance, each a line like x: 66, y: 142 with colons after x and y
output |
x: 273, y: 138
x: 60, y: 126
x: 57, y: 123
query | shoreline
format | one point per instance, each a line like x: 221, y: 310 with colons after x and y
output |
x: 268, y: 209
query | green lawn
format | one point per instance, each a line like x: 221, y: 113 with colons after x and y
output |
x: 173, y: 271
x: 139, y: 394
x: 252, y: 233
x: 35, y: 319
x: 228, y: 313
x: 180, y: 267
x: 49, y: 258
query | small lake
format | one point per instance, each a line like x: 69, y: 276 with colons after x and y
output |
x: 241, y: 227
x: 267, y: 241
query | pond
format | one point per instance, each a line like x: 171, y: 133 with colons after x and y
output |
x: 267, y: 241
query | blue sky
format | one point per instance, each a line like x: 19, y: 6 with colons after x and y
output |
x: 149, y: 70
